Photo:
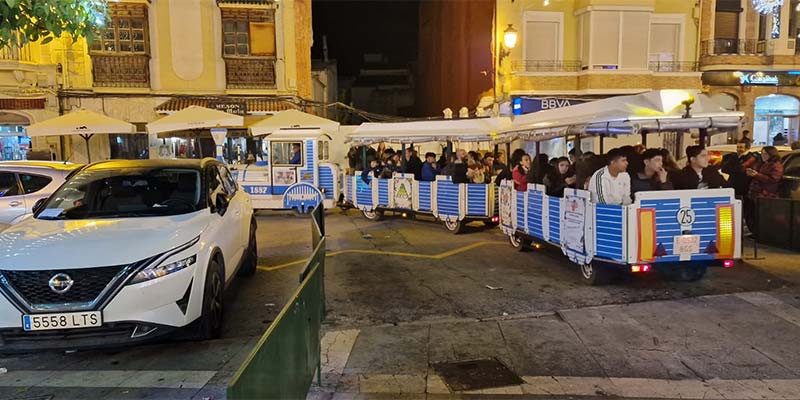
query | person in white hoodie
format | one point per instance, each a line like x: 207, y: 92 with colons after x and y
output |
x: 612, y: 184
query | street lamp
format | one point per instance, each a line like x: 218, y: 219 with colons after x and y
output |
x: 509, y: 41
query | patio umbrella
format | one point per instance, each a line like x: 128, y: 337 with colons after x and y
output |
x: 83, y: 123
x: 293, y: 119
x: 193, y: 118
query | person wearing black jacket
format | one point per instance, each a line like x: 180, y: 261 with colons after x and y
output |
x: 698, y: 174
x: 559, y: 178
x: 736, y: 165
x: 650, y: 174
x: 413, y: 164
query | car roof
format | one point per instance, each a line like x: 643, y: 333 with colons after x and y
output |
x: 191, y: 163
x: 56, y: 165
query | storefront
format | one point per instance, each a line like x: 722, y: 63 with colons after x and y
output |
x: 769, y: 100
x: 15, y: 145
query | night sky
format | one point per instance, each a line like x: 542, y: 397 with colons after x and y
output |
x: 354, y: 28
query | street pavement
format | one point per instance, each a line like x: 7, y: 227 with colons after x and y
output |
x: 403, y: 295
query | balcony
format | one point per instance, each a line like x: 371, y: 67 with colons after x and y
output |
x: 14, y: 53
x: 732, y: 46
x: 673, y: 66
x: 250, y: 72
x: 121, y: 70
x: 526, y: 66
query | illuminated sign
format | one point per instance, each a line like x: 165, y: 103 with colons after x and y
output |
x: 525, y: 105
x: 758, y: 78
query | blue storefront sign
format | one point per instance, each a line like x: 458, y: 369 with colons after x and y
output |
x: 526, y: 105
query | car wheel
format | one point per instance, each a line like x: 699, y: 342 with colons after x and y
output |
x: 454, y: 227
x: 250, y: 261
x: 374, y: 215
x: 210, y: 324
x: 595, y: 275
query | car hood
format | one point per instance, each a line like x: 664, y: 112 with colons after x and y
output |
x: 62, y: 244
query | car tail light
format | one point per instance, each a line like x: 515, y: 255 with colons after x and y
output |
x: 640, y: 268
x: 727, y: 263
x: 495, y: 219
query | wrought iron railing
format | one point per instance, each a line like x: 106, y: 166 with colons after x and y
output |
x: 731, y: 46
x: 121, y: 70
x: 545, y: 66
x: 673, y: 66
x: 250, y: 72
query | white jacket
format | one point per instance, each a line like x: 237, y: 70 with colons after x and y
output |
x: 607, y: 189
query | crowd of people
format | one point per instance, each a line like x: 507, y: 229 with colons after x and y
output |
x: 612, y: 178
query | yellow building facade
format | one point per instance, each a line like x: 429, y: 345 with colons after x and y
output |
x: 596, y: 47
x: 250, y: 57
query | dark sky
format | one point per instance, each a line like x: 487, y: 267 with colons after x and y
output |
x: 357, y: 27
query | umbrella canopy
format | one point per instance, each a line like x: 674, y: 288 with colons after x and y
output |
x: 293, y: 119
x: 83, y: 122
x: 194, y: 117
x: 654, y: 111
x: 461, y: 130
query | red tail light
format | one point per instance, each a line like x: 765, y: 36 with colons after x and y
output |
x: 495, y: 219
x: 727, y: 263
x: 640, y: 268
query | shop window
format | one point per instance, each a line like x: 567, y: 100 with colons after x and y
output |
x: 33, y: 183
x: 8, y: 184
x: 287, y: 153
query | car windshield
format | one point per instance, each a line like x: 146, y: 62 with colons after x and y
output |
x: 125, y: 193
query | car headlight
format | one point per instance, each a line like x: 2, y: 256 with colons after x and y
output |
x: 154, y: 272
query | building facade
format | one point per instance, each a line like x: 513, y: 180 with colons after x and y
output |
x: 250, y: 57
x: 750, y: 62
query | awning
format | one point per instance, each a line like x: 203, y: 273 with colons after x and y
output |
x: 456, y: 130
x: 293, y: 119
x: 194, y: 117
x: 82, y: 122
x: 655, y: 111
x: 250, y: 105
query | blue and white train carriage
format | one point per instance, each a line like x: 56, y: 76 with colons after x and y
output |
x: 455, y: 204
x: 297, y: 173
x: 682, y: 231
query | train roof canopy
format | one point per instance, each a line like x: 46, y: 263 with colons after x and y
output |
x: 456, y: 130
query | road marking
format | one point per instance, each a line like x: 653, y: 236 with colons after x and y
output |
x: 105, y: 379
x: 439, y: 256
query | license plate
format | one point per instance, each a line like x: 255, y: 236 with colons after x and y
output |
x: 43, y: 322
x: 686, y: 244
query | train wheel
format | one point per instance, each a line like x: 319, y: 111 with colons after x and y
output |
x: 374, y: 215
x: 454, y: 227
x: 595, y: 275
x: 519, y: 243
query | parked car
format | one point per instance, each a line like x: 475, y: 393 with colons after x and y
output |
x: 23, y: 183
x: 790, y: 183
x: 124, y: 252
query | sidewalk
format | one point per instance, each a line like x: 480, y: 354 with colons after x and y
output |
x: 740, y: 346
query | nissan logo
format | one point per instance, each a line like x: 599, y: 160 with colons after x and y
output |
x: 60, y: 283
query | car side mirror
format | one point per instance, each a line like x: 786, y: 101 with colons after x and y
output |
x: 39, y: 205
x: 222, y: 203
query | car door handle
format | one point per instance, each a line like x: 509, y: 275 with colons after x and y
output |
x: 14, y: 203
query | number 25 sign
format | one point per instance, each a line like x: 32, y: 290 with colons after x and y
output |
x: 685, y: 216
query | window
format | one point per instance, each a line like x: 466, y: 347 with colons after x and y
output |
x: 247, y: 33
x: 287, y: 153
x: 543, y: 36
x: 227, y: 181
x: 323, y: 149
x: 214, y: 185
x: 126, y: 33
x: 33, y: 183
x: 8, y: 184
x: 792, y: 166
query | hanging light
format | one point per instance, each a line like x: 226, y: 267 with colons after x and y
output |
x: 510, y: 37
x: 766, y: 6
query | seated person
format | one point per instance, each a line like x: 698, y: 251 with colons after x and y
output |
x: 460, y: 167
x: 612, y: 184
x: 650, y: 173
x: 698, y: 174
x: 429, y: 168
x: 475, y: 170
x: 520, y: 173
x: 295, y: 154
x: 375, y: 169
x: 559, y: 178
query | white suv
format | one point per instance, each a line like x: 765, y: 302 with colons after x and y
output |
x: 125, y: 251
x: 23, y: 183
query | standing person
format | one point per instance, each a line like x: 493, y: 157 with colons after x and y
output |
x: 650, y: 173
x: 612, y: 184
x: 559, y: 178
x: 429, y: 168
x: 413, y: 163
x: 765, y: 181
x: 736, y: 167
x: 520, y: 173
x: 698, y: 174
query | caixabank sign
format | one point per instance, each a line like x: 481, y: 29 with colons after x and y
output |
x: 752, y: 78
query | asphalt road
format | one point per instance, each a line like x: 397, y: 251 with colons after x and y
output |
x: 386, y: 273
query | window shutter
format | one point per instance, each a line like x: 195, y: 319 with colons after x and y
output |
x: 262, y: 39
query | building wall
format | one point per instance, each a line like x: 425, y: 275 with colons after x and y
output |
x: 455, y: 66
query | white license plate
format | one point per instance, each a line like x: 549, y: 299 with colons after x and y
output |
x: 43, y: 322
x: 686, y: 244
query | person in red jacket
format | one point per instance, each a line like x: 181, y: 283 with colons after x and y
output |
x: 521, y: 172
x: 765, y: 181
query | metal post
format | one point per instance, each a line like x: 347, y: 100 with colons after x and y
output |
x: 403, y: 157
x: 364, y: 165
x: 644, y: 139
x: 703, y: 137
x: 88, y: 152
x: 576, y: 145
x: 538, y: 147
x: 601, y: 144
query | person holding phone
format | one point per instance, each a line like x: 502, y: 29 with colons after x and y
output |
x: 650, y: 173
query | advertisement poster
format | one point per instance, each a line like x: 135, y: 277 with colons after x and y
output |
x: 506, y: 205
x: 402, y: 192
x: 285, y: 177
x: 573, y: 230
